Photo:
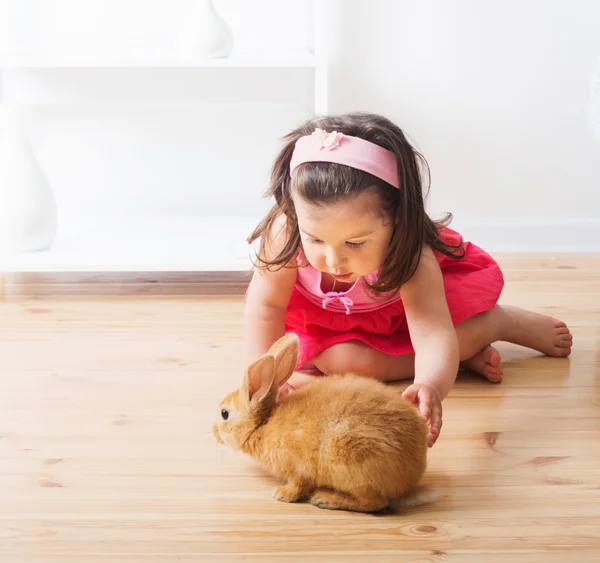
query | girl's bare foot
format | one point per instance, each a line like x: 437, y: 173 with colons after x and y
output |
x: 539, y: 332
x: 486, y: 363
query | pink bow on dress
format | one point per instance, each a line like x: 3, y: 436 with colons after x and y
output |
x: 335, y: 298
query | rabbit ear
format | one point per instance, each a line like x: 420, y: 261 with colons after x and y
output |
x: 285, y: 352
x: 259, y: 378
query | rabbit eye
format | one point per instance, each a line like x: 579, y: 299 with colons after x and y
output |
x: 224, y: 414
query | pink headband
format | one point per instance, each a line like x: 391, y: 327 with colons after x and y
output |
x: 336, y: 147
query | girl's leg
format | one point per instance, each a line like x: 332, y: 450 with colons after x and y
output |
x: 511, y: 324
x: 539, y: 332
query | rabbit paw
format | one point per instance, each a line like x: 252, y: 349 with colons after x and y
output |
x: 338, y: 500
x: 292, y: 492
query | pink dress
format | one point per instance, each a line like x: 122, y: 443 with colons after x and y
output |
x: 322, y: 319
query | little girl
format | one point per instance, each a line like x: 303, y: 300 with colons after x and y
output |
x: 350, y: 262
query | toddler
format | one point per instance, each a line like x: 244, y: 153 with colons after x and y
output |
x: 351, y: 263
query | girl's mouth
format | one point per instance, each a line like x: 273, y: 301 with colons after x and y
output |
x: 342, y: 278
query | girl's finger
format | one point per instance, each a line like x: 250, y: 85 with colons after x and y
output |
x: 424, y: 404
x: 432, y: 437
x: 410, y: 393
x: 436, y: 423
x: 284, y: 390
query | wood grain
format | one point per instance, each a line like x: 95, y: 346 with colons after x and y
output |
x: 106, y: 452
x: 51, y: 284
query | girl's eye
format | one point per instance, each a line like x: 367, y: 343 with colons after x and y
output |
x: 224, y: 414
x: 314, y: 240
x: 355, y: 244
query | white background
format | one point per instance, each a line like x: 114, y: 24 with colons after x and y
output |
x: 497, y: 95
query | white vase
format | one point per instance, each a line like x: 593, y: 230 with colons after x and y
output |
x: 28, y: 212
x: 205, y: 35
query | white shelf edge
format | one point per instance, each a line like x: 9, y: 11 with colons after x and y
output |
x: 293, y: 59
x: 149, y: 244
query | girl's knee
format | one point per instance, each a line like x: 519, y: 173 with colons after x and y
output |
x: 346, y: 357
x: 358, y: 358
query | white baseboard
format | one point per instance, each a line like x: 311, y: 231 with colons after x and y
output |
x: 532, y: 235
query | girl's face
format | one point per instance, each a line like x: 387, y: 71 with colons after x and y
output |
x: 346, y: 239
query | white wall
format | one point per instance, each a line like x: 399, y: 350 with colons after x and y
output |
x: 497, y: 96
x: 154, y: 141
x: 144, y: 29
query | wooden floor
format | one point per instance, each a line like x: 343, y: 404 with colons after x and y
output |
x: 106, y: 453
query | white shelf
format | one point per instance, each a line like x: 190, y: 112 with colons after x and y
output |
x: 97, y: 77
x: 143, y: 244
x: 293, y: 59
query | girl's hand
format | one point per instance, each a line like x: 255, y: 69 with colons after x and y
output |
x: 284, y: 390
x: 427, y: 400
x: 297, y: 380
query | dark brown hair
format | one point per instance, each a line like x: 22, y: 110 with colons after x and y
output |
x: 325, y: 183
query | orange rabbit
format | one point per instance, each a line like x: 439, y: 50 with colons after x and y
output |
x: 342, y: 442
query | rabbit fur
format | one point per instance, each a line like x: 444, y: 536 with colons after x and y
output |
x: 341, y: 442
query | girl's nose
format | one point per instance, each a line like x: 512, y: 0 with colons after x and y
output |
x: 334, y: 260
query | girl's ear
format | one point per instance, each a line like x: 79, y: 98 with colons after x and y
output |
x: 258, y: 379
x: 285, y: 352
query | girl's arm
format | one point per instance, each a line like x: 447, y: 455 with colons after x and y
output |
x: 267, y: 299
x: 434, y: 339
